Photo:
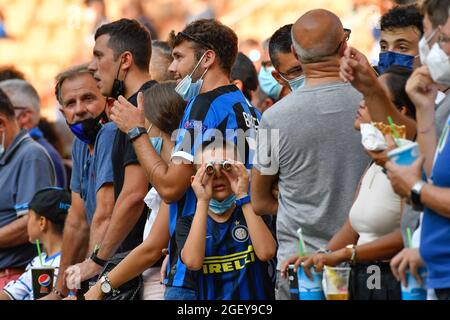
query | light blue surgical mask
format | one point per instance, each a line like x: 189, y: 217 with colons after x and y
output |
x: 157, y: 144
x: 186, y: 89
x: 296, y: 83
x: 390, y: 58
x: 156, y: 141
x: 268, y: 84
x: 220, y: 207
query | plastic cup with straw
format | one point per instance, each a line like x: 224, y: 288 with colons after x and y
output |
x: 310, y: 285
x: 394, y: 131
x: 38, y: 246
x: 409, y: 237
x: 301, y: 244
x: 414, y: 289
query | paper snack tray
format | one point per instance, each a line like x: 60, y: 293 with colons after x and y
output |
x: 386, y: 129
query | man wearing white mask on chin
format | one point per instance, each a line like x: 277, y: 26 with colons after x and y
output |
x: 204, y: 53
x: 435, y: 17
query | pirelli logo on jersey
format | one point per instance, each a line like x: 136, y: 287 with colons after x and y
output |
x: 228, y: 263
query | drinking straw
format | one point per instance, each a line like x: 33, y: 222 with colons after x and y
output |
x: 39, y: 251
x: 397, y: 141
x: 301, y: 243
x: 409, y: 237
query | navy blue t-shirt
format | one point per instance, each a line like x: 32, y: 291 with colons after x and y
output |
x: 227, y: 110
x: 231, y: 270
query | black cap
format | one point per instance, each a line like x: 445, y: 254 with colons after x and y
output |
x: 52, y: 203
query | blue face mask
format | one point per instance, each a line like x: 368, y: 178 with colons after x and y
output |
x: 391, y: 58
x: 87, y: 130
x: 186, y: 89
x: 157, y: 144
x: 296, y: 83
x: 220, y: 207
x: 268, y: 84
x: 156, y: 141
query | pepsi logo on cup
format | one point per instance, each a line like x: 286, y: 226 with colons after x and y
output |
x: 44, y: 280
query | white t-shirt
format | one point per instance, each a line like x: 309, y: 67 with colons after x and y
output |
x: 377, y: 209
x: 22, y: 288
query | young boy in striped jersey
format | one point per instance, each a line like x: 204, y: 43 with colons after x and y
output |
x: 47, y: 213
x: 225, y: 241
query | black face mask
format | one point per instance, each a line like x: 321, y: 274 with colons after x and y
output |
x: 87, y: 130
x: 118, y: 88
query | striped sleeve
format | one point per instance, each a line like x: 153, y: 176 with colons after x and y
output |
x: 21, y: 289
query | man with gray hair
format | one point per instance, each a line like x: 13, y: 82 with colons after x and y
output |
x: 26, y: 103
x: 85, y: 110
x: 306, y: 143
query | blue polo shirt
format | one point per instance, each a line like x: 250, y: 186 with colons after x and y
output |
x: 61, y: 175
x: 25, y: 168
x: 435, y: 237
x: 91, y: 171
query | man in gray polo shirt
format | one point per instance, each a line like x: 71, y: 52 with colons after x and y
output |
x: 312, y: 148
x: 25, y: 168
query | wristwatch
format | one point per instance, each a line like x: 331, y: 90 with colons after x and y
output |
x: 97, y: 260
x: 106, y: 287
x: 353, y: 256
x: 244, y: 200
x: 135, y: 133
x: 324, y: 251
x: 415, y: 195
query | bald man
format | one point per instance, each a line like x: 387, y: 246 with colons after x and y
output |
x: 307, y: 143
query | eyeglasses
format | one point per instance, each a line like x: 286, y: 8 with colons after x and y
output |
x: 347, y: 33
x: 195, y: 39
x: 292, y: 73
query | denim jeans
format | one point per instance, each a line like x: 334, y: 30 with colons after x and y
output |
x: 179, y: 293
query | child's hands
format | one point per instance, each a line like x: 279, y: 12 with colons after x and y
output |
x: 202, y: 184
x: 239, y: 179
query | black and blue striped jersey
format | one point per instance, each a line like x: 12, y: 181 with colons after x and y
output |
x: 231, y: 270
x: 226, y: 110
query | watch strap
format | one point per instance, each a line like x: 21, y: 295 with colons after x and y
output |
x: 113, y: 291
x: 136, y: 132
x: 97, y: 260
x: 416, y: 191
x: 244, y: 200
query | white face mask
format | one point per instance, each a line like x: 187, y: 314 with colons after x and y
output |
x: 188, y: 90
x: 2, y: 146
x: 438, y: 63
x: 424, y: 48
